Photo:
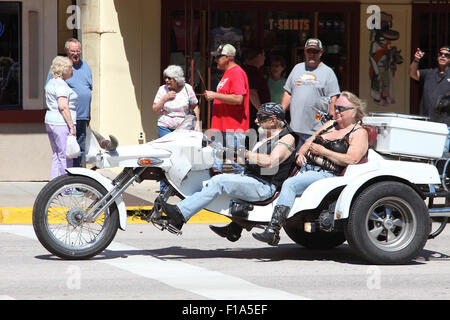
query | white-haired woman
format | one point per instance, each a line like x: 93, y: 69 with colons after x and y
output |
x: 173, y: 102
x: 60, y: 118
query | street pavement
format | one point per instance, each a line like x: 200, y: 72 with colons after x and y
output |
x: 145, y: 263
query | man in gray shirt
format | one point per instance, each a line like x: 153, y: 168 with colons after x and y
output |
x: 307, y: 90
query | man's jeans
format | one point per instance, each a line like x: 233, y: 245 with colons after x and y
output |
x: 296, y: 185
x: 238, y: 186
x: 81, y: 139
x: 231, y: 140
x: 447, y: 142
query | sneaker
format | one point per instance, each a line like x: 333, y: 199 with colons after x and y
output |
x: 72, y: 192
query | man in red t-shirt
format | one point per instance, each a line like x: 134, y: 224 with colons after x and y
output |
x: 231, y: 102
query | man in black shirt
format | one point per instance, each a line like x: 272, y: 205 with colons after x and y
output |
x: 436, y: 83
x: 269, y: 164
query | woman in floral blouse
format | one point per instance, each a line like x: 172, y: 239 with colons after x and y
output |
x: 174, y: 101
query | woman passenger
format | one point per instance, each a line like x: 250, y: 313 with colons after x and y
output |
x: 327, y: 153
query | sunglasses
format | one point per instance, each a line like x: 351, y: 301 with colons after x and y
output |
x: 263, y: 117
x: 342, y: 108
x: 447, y: 55
x: 312, y: 51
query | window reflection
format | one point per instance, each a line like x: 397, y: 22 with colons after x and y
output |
x: 10, y: 69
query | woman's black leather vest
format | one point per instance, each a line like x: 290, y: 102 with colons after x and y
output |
x: 338, y: 145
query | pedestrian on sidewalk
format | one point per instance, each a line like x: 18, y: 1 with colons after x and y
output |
x: 61, y: 115
x: 436, y: 83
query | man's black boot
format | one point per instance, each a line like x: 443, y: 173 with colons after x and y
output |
x: 271, y: 234
x: 231, y: 231
x: 175, y: 218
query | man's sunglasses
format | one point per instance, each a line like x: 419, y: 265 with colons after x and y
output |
x: 342, y: 108
x: 447, y: 55
x: 312, y: 51
x: 263, y: 117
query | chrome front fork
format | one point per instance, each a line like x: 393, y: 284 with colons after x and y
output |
x: 121, y: 182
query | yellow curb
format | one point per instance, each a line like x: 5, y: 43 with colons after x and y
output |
x: 24, y: 216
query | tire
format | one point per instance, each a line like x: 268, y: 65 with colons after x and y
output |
x: 388, y: 223
x: 316, y: 240
x: 58, y: 218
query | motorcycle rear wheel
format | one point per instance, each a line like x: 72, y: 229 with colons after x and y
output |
x: 59, y: 218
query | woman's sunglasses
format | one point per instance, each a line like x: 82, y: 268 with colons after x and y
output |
x: 447, y: 55
x: 342, y: 108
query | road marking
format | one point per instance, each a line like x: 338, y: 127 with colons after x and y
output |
x: 207, y: 283
x: 19, y: 230
x: 201, y: 281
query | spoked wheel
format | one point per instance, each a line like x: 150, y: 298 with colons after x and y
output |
x: 59, y: 218
x: 388, y: 223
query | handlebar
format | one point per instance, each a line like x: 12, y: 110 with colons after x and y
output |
x: 323, y: 116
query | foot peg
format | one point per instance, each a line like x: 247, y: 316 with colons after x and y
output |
x: 160, y: 222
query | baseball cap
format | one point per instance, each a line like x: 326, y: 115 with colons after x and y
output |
x: 224, y: 50
x: 269, y: 109
x: 313, y: 43
x: 445, y: 49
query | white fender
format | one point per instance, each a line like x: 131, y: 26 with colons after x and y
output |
x: 314, y: 194
x: 107, y: 183
x: 414, y: 172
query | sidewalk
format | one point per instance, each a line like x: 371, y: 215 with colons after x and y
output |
x: 17, y: 200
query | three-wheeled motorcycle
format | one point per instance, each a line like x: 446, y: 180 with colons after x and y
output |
x: 383, y: 207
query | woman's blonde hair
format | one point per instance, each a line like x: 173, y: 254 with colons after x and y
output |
x: 60, y: 65
x: 357, y: 103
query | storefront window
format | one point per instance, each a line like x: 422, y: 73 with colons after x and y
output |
x: 237, y: 28
x: 285, y: 34
x: 10, y: 56
x: 332, y: 31
x: 185, y: 42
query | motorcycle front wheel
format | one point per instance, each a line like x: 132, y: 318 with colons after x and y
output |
x: 59, y: 218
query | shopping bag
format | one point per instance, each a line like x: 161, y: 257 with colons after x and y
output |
x: 188, y: 122
x: 72, y: 147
